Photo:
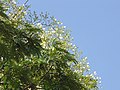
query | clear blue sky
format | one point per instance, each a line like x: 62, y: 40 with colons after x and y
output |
x: 95, y: 26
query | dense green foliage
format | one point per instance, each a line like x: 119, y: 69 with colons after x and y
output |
x: 36, y: 53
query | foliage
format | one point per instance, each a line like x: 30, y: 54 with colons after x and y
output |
x: 36, y: 53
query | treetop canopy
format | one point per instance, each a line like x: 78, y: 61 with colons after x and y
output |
x: 36, y: 53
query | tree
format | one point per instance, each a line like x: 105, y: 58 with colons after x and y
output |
x: 36, y: 53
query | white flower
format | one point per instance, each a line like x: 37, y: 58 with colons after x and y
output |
x: 97, y: 77
x: 88, y: 69
x: 64, y: 26
x: 58, y: 22
x: 53, y: 31
x: 80, y: 79
x: 85, y: 58
x: 13, y: 1
x: 25, y: 12
x: 70, y: 43
x: 73, y: 45
x: 95, y: 73
x: 38, y: 32
x: 42, y: 36
x: 91, y: 75
x: 80, y: 63
x: 87, y: 75
x: 75, y: 71
x: 99, y: 82
x: 1, y: 58
x: 87, y: 63
x: 23, y: 5
x: 87, y: 66
x: 39, y: 24
x: 55, y: 19
x: 62, y: 31
x: 83, y: 67
x: 43, y: 28
x: 81, y: 71
x: 61, y: 37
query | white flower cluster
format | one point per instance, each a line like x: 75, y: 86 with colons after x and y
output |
x: 82, y: 66
x: 95, y: 77
x: 59, y: 33
x: 39, y: 25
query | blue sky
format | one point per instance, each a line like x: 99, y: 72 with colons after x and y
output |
x: 95, y: 26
